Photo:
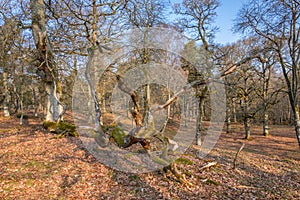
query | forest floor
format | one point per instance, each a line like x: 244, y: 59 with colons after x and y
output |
x: 36, y: 165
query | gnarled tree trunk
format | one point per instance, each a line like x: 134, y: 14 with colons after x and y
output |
x: 51, y: 103
x: 46, y: 65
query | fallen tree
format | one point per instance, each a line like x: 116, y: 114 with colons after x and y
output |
x: 142, y: 133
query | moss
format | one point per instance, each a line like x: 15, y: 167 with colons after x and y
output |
x: 67, y: 126
x: 50, y: 126
x: 30, y: 182
x: 128, y: 155
x: 160, y: 160
x: 184, y: 161
x: 133, y: 177
x: 10, y: 186
x: 212, y: 182
x: 118, y: 135
x: 62, y: 128
x: 189, y: 174
x: 58, y: 87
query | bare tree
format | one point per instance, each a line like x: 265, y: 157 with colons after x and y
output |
x: 143, y: 13
x: 264, y: 65
x: 10, y: 33
x: 246, y: 84
x: 197, y: 17
x: 46, y: 64
x: 278, y: 22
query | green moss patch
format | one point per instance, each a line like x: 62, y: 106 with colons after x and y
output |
x: 116, y: 133
x: 184, y: 161
x: 61, y: 128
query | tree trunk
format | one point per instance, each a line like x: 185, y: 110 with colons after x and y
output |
x: 228, y: 120
x: 46, y: 68
x: 22, y: 108
x: 147, y: 106
x: 234, y: 111
x: 266, y: 124
x: 6, y: 95
x: 199, y: 120
x: 169, y: 107
x: 297, y: 124
x: 100, y: 135
x: 247, y: 128
x: 246, y: 116
x: 35, y: 100
x: 51, y: 103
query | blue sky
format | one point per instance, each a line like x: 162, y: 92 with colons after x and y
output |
x: 226, y: 13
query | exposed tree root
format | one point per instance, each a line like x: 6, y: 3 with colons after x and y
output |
x: 180, y: 177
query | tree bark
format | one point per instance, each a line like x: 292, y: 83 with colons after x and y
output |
x: 266, y: 124
x: 199, y: 131
x: 137, y: 116
x: 21, y: 108
x: 234, y: 111
x: 247, y: 127
x: 146, y: 116
x: 6, y: 95
x: 246, y: 116
x: 228, y: 119
x: 297, y: 124
x: 46, y: 69
x: 51, y: 103
x: 35, y: 100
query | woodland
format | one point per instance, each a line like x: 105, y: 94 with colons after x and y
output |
x: 134, y: 99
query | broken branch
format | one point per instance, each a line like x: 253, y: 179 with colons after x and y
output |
x: 208, y: 166
x: 136, y: 111
x: 236, y: 155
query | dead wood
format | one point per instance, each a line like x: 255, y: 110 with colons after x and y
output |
x: 208, y: 166
x: 236, y: 155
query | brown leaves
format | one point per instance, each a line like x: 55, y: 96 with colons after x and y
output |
x: 33, y: 165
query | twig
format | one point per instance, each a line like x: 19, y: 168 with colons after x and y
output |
x: 208, y: 166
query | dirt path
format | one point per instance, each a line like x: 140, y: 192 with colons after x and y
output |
x: 35, y: 165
